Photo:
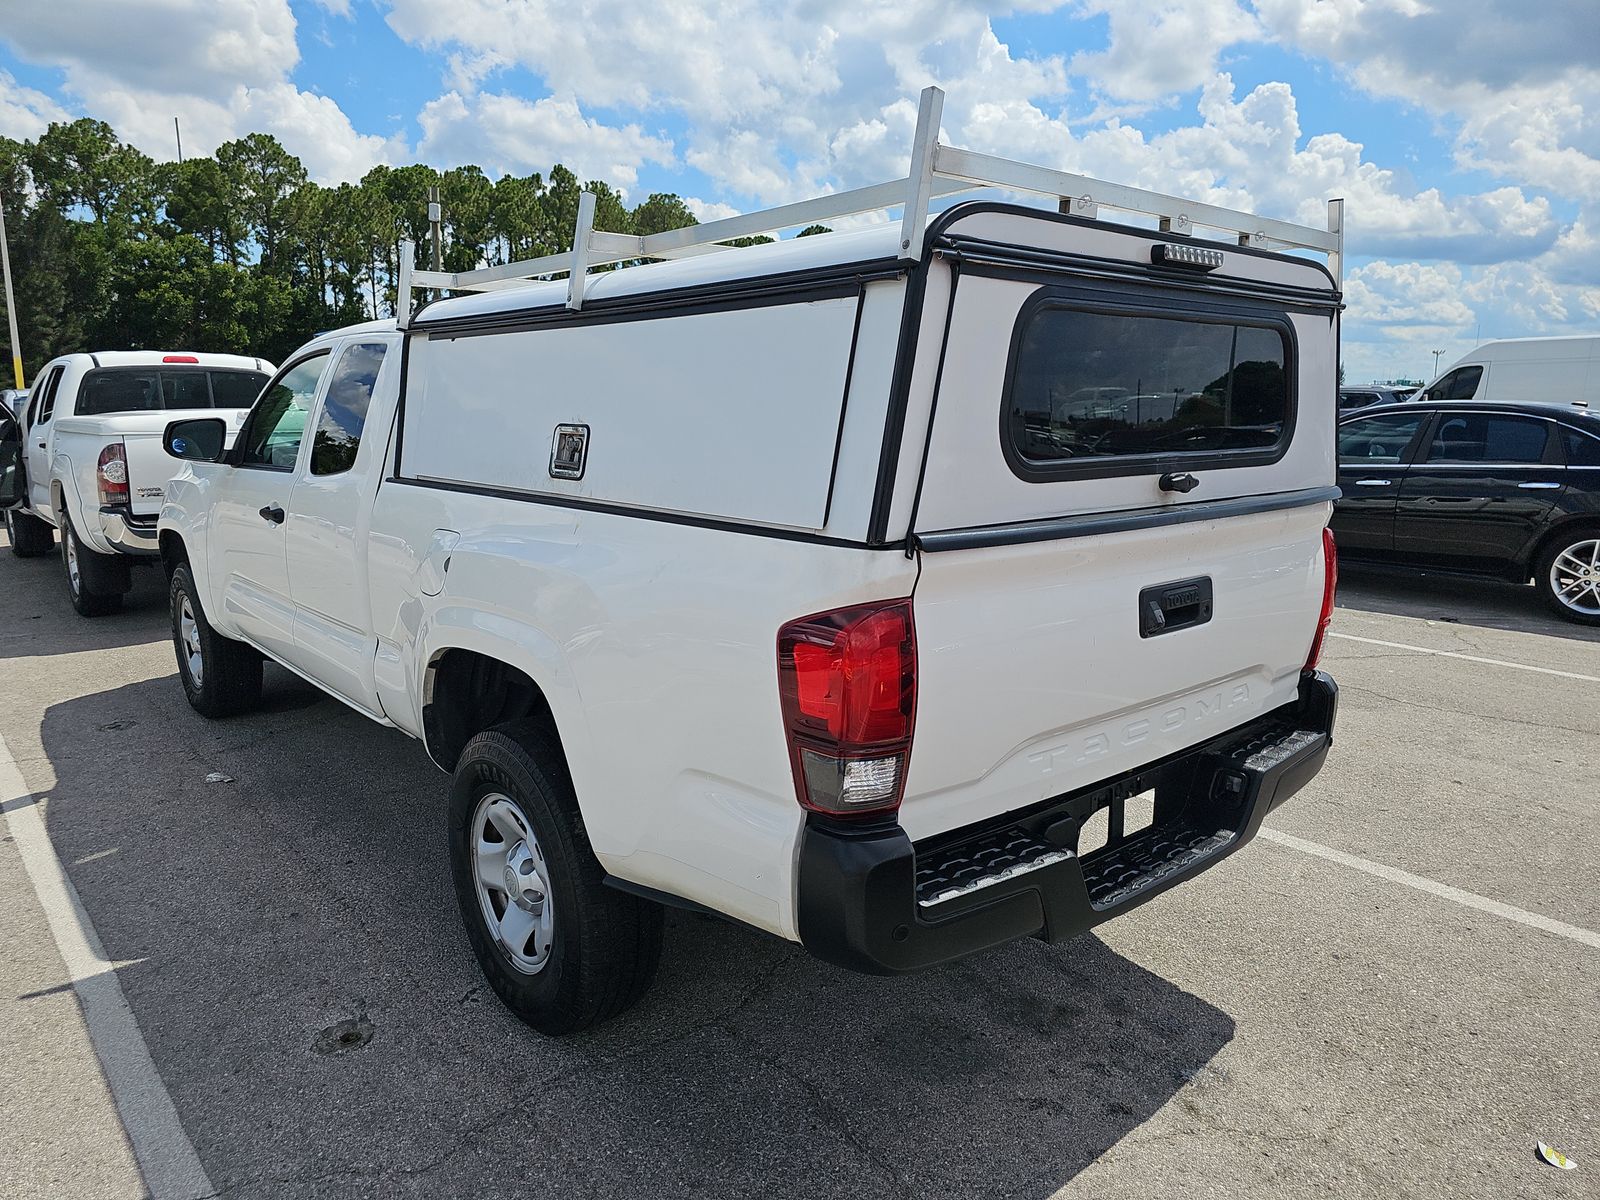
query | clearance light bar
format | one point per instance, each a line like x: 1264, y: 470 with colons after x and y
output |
x: 1168, y: 254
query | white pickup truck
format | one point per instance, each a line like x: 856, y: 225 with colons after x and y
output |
x: 899, y: 592
x: 91, y: 457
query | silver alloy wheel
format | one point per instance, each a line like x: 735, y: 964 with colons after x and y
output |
x: 74, y: 579
x: 512, y: 881
x: 189, y: 635
x: 1575, y: 577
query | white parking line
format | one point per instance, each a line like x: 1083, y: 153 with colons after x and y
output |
x: 1521, y: 916
x: 167, y: 1158
x: 1493, y: 662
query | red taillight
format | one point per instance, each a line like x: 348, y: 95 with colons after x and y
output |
x: 112, y: 475
x: 847, y: 683
x: 1330, y: 584
x: 179, y: 358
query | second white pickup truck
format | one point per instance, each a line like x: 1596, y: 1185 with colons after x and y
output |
x: 899, y: 592
x: 92, y: 462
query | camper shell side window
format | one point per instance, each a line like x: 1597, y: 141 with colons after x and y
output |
x: 1117, y: 386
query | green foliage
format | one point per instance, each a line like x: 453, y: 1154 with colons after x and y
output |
x: 241, y: 252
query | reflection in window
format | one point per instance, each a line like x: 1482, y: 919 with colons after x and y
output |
x: 1091, y: 386
x: 1377, y: 439
x: 1488, y: 438
x: 276, y: 425
x: 344, y: 411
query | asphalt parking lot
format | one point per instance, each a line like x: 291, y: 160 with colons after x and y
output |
x: 1393, y: 993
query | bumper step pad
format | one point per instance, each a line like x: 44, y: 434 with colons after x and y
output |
x: 1116, y: 876
x: 972, y: 866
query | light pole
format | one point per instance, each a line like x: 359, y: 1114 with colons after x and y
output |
x: 11, y: 304
x: 1436, y: 354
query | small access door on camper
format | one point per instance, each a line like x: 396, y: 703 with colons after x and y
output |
x: 1121, y: 511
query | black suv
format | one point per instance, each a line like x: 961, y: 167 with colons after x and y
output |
x: 1510, y: 490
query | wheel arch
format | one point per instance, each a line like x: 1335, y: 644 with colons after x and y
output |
x: 468, y: 686
x: 1529, y: 566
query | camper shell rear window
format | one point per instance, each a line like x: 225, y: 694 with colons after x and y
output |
x: 1096, y: 389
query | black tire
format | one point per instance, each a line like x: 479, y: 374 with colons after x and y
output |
x: 605, y: 943
x: 94, y: 585
x: 30, y: 537
x: 229, y: 679
x: 1545, y: 567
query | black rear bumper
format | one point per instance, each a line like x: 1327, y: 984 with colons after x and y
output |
x: 871, y: 900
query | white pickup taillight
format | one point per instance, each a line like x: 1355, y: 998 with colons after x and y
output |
x: 847, y: 683
x: 112, y: 475
x: 1330, y: 584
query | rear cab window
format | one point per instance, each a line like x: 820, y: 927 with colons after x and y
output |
x: 1094, y: 393
x: 109, y: 390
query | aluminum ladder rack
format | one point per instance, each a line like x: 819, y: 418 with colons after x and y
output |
x: 936, y: 170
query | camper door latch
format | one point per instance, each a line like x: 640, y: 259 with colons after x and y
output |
x: 1177, y: 481
x: 569, y: 451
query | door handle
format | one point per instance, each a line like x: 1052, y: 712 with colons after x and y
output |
x: 1535, y: 487
x: 41, y: 445
x: 273, y: 513
x: 1373, y: 482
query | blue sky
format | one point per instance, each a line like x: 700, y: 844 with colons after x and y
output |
x: 1459, y: 131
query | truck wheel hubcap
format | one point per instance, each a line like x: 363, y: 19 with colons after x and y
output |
x: 512, y: 882
x: 189, y: 635
x: 1575, y: 577
x: 73, y: 578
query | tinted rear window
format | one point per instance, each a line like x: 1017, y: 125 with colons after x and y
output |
x: 1088, y: 387
x: 153, y: 389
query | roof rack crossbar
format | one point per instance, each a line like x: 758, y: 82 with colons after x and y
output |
x: 936, y: 170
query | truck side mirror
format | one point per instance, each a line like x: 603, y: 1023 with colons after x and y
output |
x: 199, y: 439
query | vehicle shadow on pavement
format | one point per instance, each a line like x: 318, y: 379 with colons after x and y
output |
x: 309, y: 887
x: 1455, y: 600
x: 40, y: 621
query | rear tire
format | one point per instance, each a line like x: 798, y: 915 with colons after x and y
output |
x: 1567, y: 574
x: 30, y: 537
x: 564, y: 951
x: 92, y: 581
x: 220, y: 676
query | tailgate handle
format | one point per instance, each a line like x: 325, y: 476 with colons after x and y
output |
x: 1170, y: 606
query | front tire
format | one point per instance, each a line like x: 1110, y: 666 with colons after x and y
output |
x: 29, y: 536
x: 91, y: 582
x: 561, y: 949
x: 220, y: 676
x: 1568, y: 575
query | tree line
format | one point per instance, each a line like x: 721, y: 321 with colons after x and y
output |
x: 241, y: 252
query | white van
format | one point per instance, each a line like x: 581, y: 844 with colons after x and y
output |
x: 773, y: 581
x: 1551, y: 370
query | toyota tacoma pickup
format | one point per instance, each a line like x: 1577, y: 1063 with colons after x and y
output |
x: 91, y: 462
x: 899, y: 592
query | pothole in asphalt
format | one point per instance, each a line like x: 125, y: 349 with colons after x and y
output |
x: 344, y: 1036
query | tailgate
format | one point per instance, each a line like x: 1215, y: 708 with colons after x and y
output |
x: 150, y: 466
x: 1120, y: 514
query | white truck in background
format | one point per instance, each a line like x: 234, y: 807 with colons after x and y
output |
x: 1539, y: 370
x: 91, y: 462
x: 791, y: 582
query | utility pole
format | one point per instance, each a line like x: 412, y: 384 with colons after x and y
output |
x: 11, y: 303
x: 179, y: 132
x: 435, y: 227
x: 1436, y: 355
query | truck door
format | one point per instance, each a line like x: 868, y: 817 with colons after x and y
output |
x: 37, y: 443
x: 247, y: 543
x: 1374, y: 455
x: 326, y: 527
x: 1482, y: 489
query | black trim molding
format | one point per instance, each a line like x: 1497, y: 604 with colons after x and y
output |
x: 1094, y: 524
